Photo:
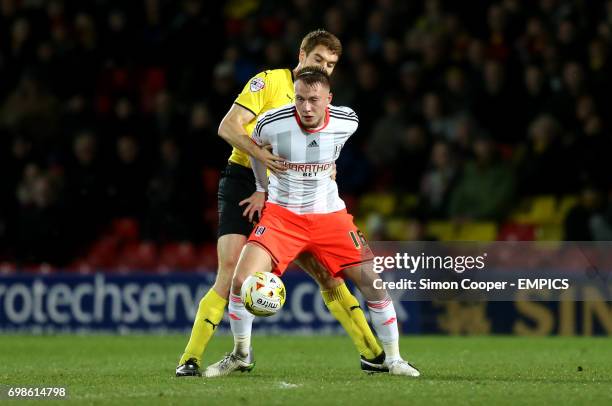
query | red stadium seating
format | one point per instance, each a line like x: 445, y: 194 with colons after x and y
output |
x: 141, y: 255
x: 210, y: 180
x: 207, y: 257
x: 517, y: 232
x: 180, y: 256
x: 103, y: 253
x: 125, y: 229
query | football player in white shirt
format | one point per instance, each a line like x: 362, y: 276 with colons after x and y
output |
x: 303, y: 211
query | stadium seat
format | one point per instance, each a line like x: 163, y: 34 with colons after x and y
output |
x: 473, y: 231
x: 152, y: 81
x: 207, y: 257
x: 397, y: 229
x: 103, y: 253
x: 539, y: 210
x: 42, y: 269
x: 544, y: 209
x: 408, y: 203
x: 517, y: 232
x: 139, y: 256
x: 549, y: 232
x: 476, y: 231
x: 120, y: 78
x: 381, y: 203
x: 210, y: 181
x: 125, y: 229
x: 7, y: 268
x: 80, y: 265
x: 178, y: 256
x: 400, y: 229
x: 440, y: 230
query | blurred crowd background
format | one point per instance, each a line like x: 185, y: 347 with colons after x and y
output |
x: 482, y: 120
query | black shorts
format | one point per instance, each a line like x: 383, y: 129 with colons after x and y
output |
x: 236, y: 184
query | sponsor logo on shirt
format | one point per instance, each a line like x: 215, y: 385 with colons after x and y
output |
x: 308, y: 167
x: 318, y: 170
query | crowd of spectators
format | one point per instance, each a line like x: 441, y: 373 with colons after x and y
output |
x: 110, y: 108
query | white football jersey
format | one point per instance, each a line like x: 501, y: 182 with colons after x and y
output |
x: 306, y: 186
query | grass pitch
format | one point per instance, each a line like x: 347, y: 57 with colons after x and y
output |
x: 315, y: 370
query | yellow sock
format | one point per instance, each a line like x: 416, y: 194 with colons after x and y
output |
x: 345, y: 308
x: 209, y: 315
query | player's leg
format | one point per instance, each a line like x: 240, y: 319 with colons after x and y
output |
x: 343, y: 249
x: 343, y: 306
x: 212, y: 306
x: 253, y: 259
x: 275, y: 242
x: 236, y: 183
x: 383, y: 316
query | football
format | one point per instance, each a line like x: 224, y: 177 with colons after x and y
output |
x: 263, y: 294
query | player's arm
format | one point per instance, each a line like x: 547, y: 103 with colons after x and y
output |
x: 261, y: 177
x: 249, y: 103
x: 255, y: 203
x: 233, y: 132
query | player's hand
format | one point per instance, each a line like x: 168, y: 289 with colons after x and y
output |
x: 273, y: 162
x: 334, y: 173
x: 255, y: 204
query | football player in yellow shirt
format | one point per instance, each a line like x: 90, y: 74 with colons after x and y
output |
x: 265, y: 91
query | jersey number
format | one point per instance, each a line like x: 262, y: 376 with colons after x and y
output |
x: 358, y: 239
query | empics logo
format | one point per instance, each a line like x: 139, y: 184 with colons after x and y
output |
x: 259, y: 230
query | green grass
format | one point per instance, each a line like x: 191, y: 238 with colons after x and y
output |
x: 315, y: 370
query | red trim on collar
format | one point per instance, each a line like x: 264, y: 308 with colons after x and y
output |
x: 316, y: 130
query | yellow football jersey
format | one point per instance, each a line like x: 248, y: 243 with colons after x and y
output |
x: 265, y: 91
